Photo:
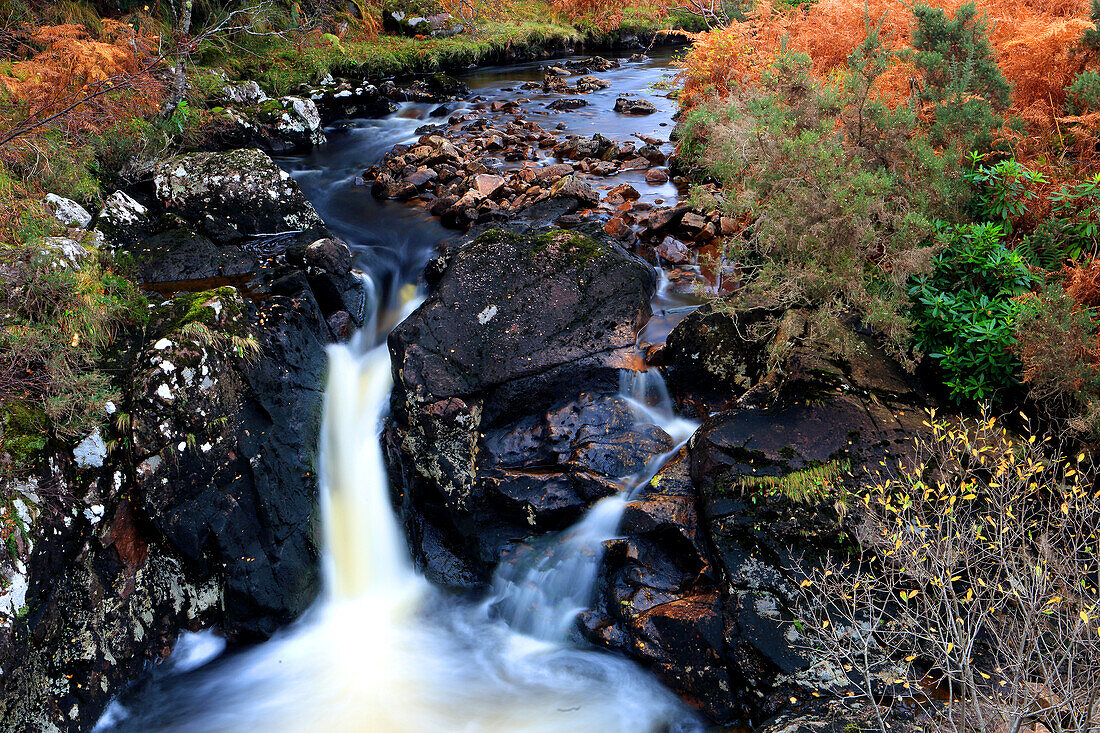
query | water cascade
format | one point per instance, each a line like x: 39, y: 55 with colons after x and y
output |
x: 384, y: 651
x: 542, y: 592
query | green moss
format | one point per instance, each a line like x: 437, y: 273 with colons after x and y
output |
x: 808, y: 485
x: 24, y: 434
x: 199, y: 308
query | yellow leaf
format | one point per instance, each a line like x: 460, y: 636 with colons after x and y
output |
x: 806, y: 583
x: 950, y: 646
x: 825, y: 624
x: 1084, y: 616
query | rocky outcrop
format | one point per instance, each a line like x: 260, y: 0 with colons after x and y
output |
x: 192, y: 505
x: 488, y: 450
x: 242, y: 192
x: 802, y: 422
x: 661, y: 597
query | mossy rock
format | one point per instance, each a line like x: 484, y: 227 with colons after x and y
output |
x: 23, y: 433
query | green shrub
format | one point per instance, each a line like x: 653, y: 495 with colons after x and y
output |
x: 964, y: 313
x: 1056, y: 343
x: 121, y: 150
x: 1002, y: 189
x: 1083, y: 95
x: 1054, y: 242
x: 961, y: 76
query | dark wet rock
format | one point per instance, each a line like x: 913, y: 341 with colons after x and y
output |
x: 437, y: 88
x: 341, y: 325
x: 242, y: 190
x: 179, y: 254
x: 224, y: 447
x: 659, y: 219
x: 567, y: 104
x: 595, y: 63
x: 634, y: 106
x: 660, y: 597
x: 345, y: 101
x: 463, y: 440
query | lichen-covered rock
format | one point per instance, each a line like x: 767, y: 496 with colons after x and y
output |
x: 123, y: 220
x: 224, y: 422
x: 67, y: 211
x: 419, y: 18
x: 242, y: 190
x: 275, y: 125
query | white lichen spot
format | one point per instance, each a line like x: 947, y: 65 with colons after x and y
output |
x: 205, y: 447
x: 486, y: 315
x: 110, y: 407
x: 94, y: 513
x: 162, y: 344
x: 164, y: 392
x: 167, y: 367
x: 91, y: 451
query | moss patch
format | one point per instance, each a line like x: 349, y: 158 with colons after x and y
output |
x: 808, y: 485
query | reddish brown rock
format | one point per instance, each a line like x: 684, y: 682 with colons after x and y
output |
x: 655, y: 176
x: 674, y: 251
x: 621, y: 193
x: 487, y: 184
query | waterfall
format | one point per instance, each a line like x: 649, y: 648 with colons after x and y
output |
x: 366, y: 551
x: 385, y: 652
x: 542, y: 592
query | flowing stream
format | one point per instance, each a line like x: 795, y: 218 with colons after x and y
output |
x: 383, y: 651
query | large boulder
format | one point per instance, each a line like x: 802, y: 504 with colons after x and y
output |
x: 224, y: 417
x: 241, y: 191
x: 504, y: 416
x: 275, y: 125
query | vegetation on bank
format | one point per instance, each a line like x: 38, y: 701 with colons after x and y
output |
x: 972, y: 599
x: 931, y: 170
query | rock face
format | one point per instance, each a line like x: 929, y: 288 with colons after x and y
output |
x: 465, y: 443
x: 661, y: 596
x: 202, y: 514
x: 804, y: 422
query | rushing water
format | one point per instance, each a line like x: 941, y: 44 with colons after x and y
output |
x: 383, y: 651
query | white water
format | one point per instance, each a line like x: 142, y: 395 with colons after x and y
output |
x: 542, y: 592
x: 383, y: 651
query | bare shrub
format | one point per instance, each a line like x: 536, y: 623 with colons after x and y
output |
x: 977, y: 580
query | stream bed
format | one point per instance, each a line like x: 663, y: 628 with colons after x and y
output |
x: 383, y: 649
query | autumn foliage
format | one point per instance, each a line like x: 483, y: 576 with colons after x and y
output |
x: 1037, y: 44
x: 71, y: 64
